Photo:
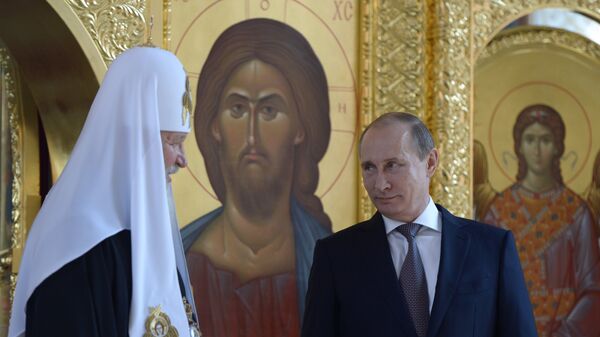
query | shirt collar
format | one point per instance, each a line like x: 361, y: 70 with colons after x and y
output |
x: 430, y: 218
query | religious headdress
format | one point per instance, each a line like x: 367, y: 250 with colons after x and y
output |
x: 115, y: 180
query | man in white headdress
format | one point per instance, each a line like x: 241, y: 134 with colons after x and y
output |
x: 104, y: 256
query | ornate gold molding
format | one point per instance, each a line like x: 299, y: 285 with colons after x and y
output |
x: 167, y: 11
x: 400, y: 57
x: 113, y: 25
x: 14, y: 124
x: 540, y: 35
x: 368, y: 10
x: 491, y: 16
x: 15, y: 148
x: 392, y: 65
x: 13, y: 286
x: 451, y: 104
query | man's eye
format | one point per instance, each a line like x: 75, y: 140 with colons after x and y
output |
x: 237, y: 110
x: 268, y: 112
x: 392, y: 165
x: 547, y: 140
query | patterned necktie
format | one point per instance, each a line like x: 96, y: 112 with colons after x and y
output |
x: 413, y: 281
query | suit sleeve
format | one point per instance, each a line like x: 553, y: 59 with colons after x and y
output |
x: 321, y: 313
x: 515, y: 315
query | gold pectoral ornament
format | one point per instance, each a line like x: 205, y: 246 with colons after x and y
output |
x: 158, y: 324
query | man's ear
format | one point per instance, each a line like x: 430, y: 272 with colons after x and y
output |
x: 299, y: 136
x: 214, y: 129
x: 432, y: 162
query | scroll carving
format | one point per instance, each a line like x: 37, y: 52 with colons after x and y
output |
x: 113, y: 25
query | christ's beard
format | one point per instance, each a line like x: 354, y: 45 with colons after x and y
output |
x: 257, y: 191
x: 257, y: 196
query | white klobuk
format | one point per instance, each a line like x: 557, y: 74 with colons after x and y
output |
x: 114, y: 180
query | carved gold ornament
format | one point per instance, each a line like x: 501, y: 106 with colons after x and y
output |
x: 17, y: 226
x: 490, y: 16
x: 8, y: 77
x: 533, y: 35
x: 450, y: 107
x: 115, y: 25
x: 186, y: 113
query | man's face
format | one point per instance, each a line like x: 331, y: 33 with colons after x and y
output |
x: 172, y: 144
x: 395, y: 178
x: 257, y: 130
x: 537, y: 146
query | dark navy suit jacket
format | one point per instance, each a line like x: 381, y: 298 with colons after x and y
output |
x: 354, y: 291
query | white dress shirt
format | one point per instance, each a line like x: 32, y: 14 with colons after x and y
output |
x: 428, y: 239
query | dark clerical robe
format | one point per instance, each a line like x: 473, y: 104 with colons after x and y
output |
x: 88, y: 297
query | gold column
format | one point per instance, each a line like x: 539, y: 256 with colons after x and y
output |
x: 24, y: 151
x: 368, y: 11
x: 15, y: 125
x: 451, y: 103
x: 167, y: 10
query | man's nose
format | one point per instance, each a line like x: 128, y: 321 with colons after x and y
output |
x: 252, y: 126
x: 381, y: 182
x: 538, y: 147
x: 181, y: 159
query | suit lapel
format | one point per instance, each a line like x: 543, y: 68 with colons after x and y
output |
x: 455, y: 245
x: 378, y: 253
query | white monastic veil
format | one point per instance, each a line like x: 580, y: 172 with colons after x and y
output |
x: 115, y: 180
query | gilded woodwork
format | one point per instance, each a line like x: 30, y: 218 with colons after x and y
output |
x: 167, y: 10
x: 490, y: 16
x: 13, y: 285
x: 366, y: 73
x: 543, y: 35
x: 400, y: 62
x: 24, y: 151
x: 114, y: 25
x: 15, y: 124
x: 451, y: 121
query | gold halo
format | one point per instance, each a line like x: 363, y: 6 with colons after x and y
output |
x: 504, y: 115
x: 537, y: 65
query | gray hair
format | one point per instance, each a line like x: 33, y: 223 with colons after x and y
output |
x: 422, y: 138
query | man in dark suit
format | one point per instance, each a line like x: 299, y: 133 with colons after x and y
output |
x: 413, y: 269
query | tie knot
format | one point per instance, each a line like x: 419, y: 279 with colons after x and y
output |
x: 409, y: 230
